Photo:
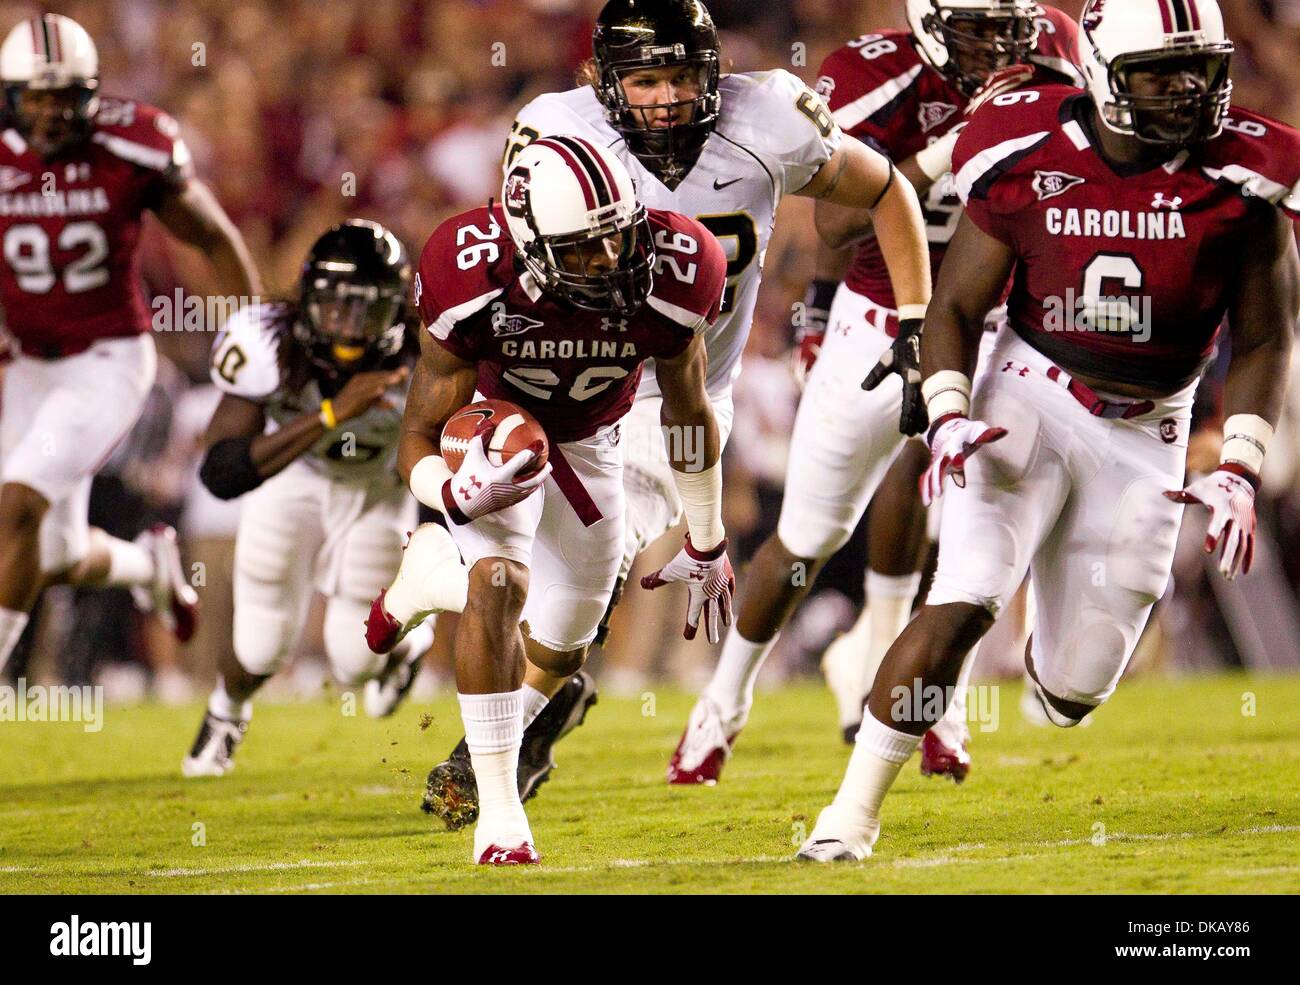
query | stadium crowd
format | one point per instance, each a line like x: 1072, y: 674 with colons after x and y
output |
x: 300, y: 114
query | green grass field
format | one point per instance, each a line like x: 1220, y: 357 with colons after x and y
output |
x: 1173, y: 789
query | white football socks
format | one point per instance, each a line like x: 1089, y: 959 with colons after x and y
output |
x: 129, y: 564
x: 12, y: 624
x: 889, y: 609
x: 854, y: 815
x: 732, y: 685
x: 493, y: 732
x: 535, y: 703
x: 224, y: 706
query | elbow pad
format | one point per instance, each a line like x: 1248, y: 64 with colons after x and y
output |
x: 228, y: 470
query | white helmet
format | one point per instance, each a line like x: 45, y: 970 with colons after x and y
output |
x: 1150, y: 35
x: 51, y: 52
x: 566, y: 199
x: 992, y: 34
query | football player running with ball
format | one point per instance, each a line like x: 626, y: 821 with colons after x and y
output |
x: 908, y: 94
x: 1135, y: 215
x: 78, y: 170
x: 725, y: 148
x: 306, y: 431
x: 552, y: 300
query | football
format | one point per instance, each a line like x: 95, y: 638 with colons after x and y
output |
x: 513, y: 430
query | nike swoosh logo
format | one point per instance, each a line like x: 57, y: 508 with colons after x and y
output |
x: 718, y: 186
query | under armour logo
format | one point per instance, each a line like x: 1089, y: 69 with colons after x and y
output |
x: 608, y: 324
x: 1160, y: 202
x: 500, y: 855
x: 698, y: 575
x: 465, y: 489
x: 1011, y: 367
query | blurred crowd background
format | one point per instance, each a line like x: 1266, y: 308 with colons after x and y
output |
x: 302, y: 113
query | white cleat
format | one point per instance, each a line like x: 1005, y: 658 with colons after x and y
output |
x: 838, y: 839
x: 213, y: 752
x: 842, y: 667
x: 170, y: 597
x: 431, y: 579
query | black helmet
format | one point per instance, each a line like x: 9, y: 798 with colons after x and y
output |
x: 352, y: 297
x: 648, y: 34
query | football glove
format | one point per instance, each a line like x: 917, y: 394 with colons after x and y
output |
x: 710, y: 584
x: 904, y: 359
x: 479, y: 487
x: 954, y: 440
x: 1230, y: 497
x: 810, y: 328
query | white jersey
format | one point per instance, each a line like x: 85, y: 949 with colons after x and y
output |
x: 249, y: 360
x: 772, y: 136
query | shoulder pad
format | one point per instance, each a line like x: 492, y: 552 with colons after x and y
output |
x: 1002, y: 133
x: 1260, y: 155
x: 143, y: 135
x: 468, y: 261
x: 690, y: 271
x: 867, y: 74
x: 246, y: 355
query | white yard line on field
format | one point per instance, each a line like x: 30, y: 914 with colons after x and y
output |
x: 268, y: 867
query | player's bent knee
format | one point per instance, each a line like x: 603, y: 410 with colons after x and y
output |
x: 497, y: 584
x: 262, y: 641
x: 557, y: 663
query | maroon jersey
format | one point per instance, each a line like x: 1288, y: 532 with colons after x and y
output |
x: 70, y: 226
x: 1121, y: 276
x: 574, y: 370
x: 883, y: 92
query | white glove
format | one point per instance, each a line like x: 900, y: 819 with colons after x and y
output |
x: 1231, y: 500
x: 954, y: 441
x: 710, y: 584
x: 479, y: 487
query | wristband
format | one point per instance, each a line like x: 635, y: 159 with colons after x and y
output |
x: 911, y: 312
x: 935, y: 160
x: 946, y: 392
x: 1245, y: 441
x: 327, y: 417
x: 701, y: 495
x: 427, y: 479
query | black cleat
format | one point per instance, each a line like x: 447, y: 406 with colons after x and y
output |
x: 565, y: 712
x: 213, y: 752
x: 450, y: 792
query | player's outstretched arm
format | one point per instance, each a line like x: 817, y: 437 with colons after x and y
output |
x: 694, y: 449
x: 239, y: 457
x: 193, y: 215
x: 1262, y: 319
x: 860, y: 178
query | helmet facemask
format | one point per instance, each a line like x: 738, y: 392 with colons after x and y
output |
x: 351, y: 326
x: 606, y: 268
x: 1178, y: 119
x: 666, y: 137
x: 980, y: 43
x: 53, y: 115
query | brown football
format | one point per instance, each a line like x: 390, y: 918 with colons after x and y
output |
x: 513, y: 430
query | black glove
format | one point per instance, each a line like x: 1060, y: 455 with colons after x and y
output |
x: 904, y: 358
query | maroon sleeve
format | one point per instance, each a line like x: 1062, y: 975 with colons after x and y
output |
x: 460, y: 273
x: 148, y: 138
x: 864, y: 82
x: 690, y: 276
x: 1260, y: 155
